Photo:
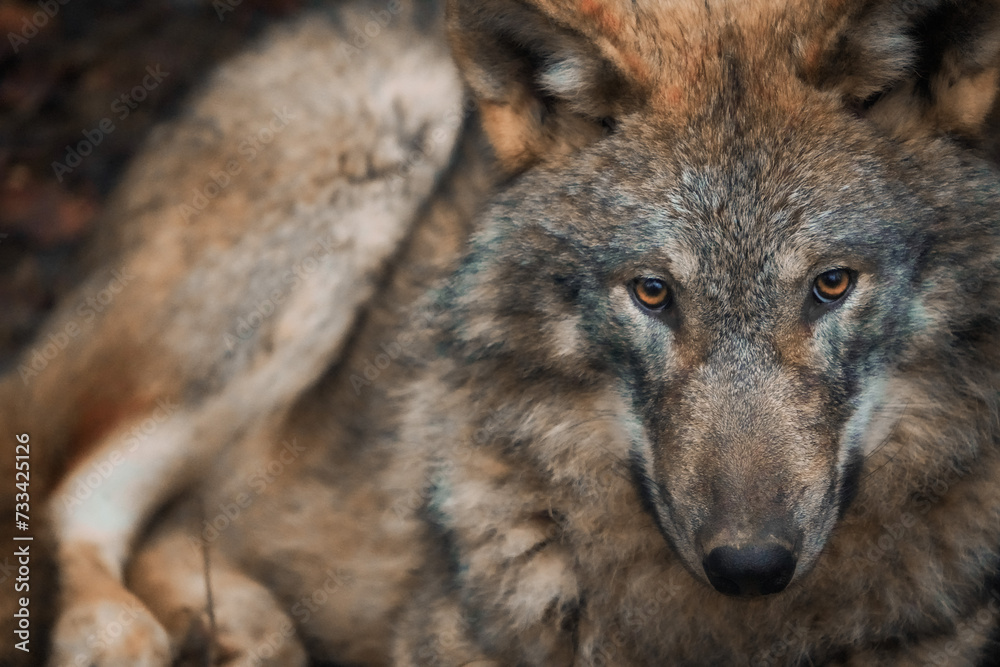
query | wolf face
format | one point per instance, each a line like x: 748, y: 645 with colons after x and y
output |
x: 748, y: 310
x: 746, y: 262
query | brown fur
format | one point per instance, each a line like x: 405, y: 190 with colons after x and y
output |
x: 522, y: 466
x: 209, y: 264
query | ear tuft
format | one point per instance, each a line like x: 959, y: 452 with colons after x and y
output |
x: 543, y: 87
x: 914, y: 67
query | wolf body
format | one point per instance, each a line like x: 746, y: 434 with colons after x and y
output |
x: 714, y: 382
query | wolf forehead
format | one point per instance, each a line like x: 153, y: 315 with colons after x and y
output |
x: 666, y: 202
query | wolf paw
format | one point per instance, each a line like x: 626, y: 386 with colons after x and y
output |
x: 236, y: 644
x: 109, y: 633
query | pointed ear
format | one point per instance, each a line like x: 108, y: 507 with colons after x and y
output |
x: 546, y: 81
x: 914, y: 67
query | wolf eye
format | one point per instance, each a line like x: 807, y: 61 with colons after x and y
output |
x: 833, y: 285
x: 652, y: 293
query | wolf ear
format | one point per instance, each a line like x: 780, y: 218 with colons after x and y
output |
x: 546, y: 81
x: 914, y: 67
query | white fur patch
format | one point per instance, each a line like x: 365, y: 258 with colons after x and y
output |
x: 566, y: 78
x: 565, y: 336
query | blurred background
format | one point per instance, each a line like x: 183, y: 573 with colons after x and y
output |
x: 69, y: 71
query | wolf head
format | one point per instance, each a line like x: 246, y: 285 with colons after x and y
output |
x: 756, y: 221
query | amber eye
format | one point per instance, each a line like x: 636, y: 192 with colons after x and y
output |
x: 653, y: 293
x: 832, y: 286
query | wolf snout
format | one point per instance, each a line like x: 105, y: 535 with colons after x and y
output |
x: 750, y: 570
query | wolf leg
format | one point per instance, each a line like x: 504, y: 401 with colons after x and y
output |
x: 102, y: 623
x: 250, y: 627
x: 97, y: 511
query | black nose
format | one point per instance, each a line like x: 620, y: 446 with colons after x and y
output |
x: 752, y: 570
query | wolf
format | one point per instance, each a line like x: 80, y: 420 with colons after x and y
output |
x: 703, y: 369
